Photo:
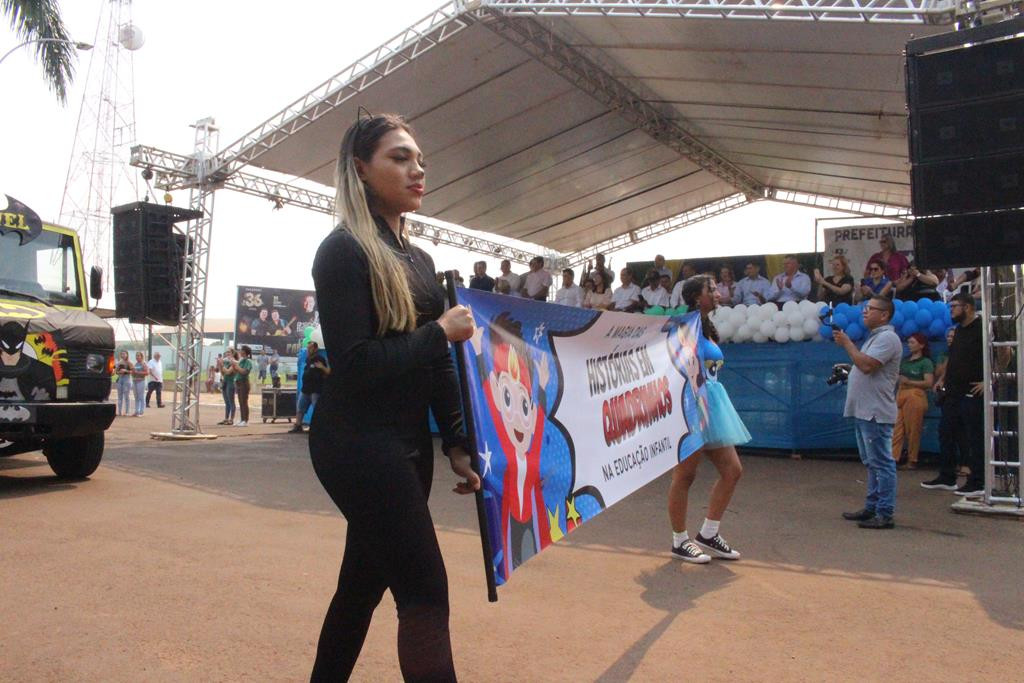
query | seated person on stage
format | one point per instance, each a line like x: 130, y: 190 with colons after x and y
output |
x: 686, y: 271
x: 627, y: 297
x: 655, y: 293
x: 752, y: 289
x: 569, y: 294
x: 600, y: 270
x: 537, y: 283
x: 876, y: 283
x: 481, y: 280
x: 791, y: 284
x: 836, y: 288
x: 598, y: 296
x: 726, y: 287
x: 659, y: 265
x: 513, y: 281
x: 916, y: 284
x: 894, y: 264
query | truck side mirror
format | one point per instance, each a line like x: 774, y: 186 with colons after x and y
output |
x: 96, y: 283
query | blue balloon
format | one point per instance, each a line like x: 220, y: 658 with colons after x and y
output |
x: 824, y: 310
x: 923, y: 318
x: 897, y: 320
x: 909, y: 309
x: 947, y: 317
x: 826, y: 332
x: 937, y: 330
x: 843, y: 308
x: 854, y: 331
x: 909, y: 328
x: 840, y: 319
x: 925, y: 303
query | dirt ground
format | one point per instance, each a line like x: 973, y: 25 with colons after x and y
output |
x: 215, y: 561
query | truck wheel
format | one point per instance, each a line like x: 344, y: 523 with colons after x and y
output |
x: 76, y: 457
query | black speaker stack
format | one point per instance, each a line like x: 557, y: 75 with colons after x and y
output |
x: 149, y: 261
x: 965, y: 95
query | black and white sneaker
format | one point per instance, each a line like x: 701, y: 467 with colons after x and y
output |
x: 939, y: 483
x: 717, y: 547
x: 689, y: 552
x: 970, y: 489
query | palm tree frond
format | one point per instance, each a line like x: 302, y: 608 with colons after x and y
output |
x: 39, y: 20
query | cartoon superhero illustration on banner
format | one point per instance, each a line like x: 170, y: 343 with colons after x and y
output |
x: 516, y: 404
x: 683, y: 346
x: 29, y: 366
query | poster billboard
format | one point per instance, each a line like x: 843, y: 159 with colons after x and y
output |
x: 274, y: 319
x: 859, y: 242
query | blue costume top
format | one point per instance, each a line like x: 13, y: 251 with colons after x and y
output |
x: 713, y: 357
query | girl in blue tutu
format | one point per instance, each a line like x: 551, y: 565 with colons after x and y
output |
x: 725, y: 430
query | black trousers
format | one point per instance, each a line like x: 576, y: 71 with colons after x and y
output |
x: 390, y: 545
x: 157, y: 387
x: 962, y: 433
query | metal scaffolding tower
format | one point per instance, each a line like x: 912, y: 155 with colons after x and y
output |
x: 98, y: 175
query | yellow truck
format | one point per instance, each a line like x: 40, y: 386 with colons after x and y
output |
x: 56, y: 356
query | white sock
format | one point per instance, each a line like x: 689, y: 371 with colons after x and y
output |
x: 679, y: 538
x: 710, y: 528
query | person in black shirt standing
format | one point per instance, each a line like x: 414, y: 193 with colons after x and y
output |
x: 963, y: 411
x: 312, y: 384
x: 481, y: 280
x: 386, y: 330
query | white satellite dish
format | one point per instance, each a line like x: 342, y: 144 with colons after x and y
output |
x: 131, y: 37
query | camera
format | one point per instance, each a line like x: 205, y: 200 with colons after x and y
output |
x: 840, y: 373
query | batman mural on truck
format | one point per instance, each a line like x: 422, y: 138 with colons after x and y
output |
x: 24, y: 376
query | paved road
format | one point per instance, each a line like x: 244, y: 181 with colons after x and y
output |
x: 215, y: 561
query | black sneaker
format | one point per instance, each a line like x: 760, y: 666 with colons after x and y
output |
x: 859, y: 515
x: 717, y: 547
x: 940, y: 482
x: 970, y: 488
x: 877, y: 522
x: 689, y: 552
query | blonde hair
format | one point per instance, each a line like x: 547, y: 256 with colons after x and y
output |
x: 843, y: 262
x: 389, y: 285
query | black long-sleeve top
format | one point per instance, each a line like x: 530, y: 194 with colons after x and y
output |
x: 380, y: 388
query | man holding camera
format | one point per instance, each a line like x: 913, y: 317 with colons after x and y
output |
x: 871, y: 402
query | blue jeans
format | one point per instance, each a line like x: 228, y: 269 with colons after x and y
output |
x: 140, y: 395
x: 305, y: 401
x: 124, y: 394
x: 874, y: 443
x: 227, y: 390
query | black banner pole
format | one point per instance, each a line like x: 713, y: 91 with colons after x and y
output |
x: 474, y: 455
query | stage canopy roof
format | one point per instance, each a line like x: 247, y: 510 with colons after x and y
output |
x: 569, y: 123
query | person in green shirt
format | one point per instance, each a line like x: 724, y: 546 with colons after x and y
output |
x: 917, y: 374
x: 228, y: 363
x: 243, y: 368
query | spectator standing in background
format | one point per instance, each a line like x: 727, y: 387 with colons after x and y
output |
x: 751, y: 290
x: 538, y: 281
x: 600, y: 297
x: 836, y: 288
x: 917, y: 373
x: 140, y: 371
x: 726, y: 286
x: 313, y: 376
x: 871, y: 402
x: 894, y: 264
x: 123, y: 370
x: 243, y: 369
x: 791, y: 284
x: 600, y: 269
x: 227, y: 385
x: 156, y: 380
x: 654, y: 294
x: 481, y: 280
x: 627, y: 297
x: 262, y: 361
x: 569, y: 294
x: 659, y: 265
x: 876, y: 283
x: 275, y: 362
x: 514, y: 282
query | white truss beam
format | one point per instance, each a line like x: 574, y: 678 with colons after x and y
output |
x: 581, y: 71
x: 870, y: 11
x: 821, y: 201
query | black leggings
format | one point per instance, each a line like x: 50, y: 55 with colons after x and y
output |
x: 390, y: 544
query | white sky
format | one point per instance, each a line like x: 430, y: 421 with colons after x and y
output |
x: 241, y: 62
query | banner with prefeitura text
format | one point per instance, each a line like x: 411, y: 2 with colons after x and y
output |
x: 573, y: 410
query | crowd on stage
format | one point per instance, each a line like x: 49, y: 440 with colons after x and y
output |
x: 888, y: 273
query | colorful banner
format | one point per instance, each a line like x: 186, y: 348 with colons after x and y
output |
x: 858, y: 243
x: 274, y: 319
x: 572, y: 411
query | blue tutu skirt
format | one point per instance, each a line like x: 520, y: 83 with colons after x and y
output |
x: 725, y: 428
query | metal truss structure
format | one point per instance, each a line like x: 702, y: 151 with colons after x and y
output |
x: 874, y: 11
x: 855, y: 206
x: 188, y: 377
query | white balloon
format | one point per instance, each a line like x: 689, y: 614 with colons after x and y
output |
x: 740, y: 308
x: 760, y: 338
x: 782, y: 335
x: 795, y: 318
x: 779, y: 318
x: 796, y: 333
x: 743, y: 334
x: 767, y: 328
x: 767, y: 308
x: 809, y: 306
x: 725, y: 331
x: 790, y: 306
x: 811, y: 327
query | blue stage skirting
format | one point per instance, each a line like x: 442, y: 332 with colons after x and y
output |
x: 781, y: 394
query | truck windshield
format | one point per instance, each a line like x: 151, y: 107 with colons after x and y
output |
x: 46, y: 268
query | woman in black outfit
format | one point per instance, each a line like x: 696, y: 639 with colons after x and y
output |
x: 386, y: 334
